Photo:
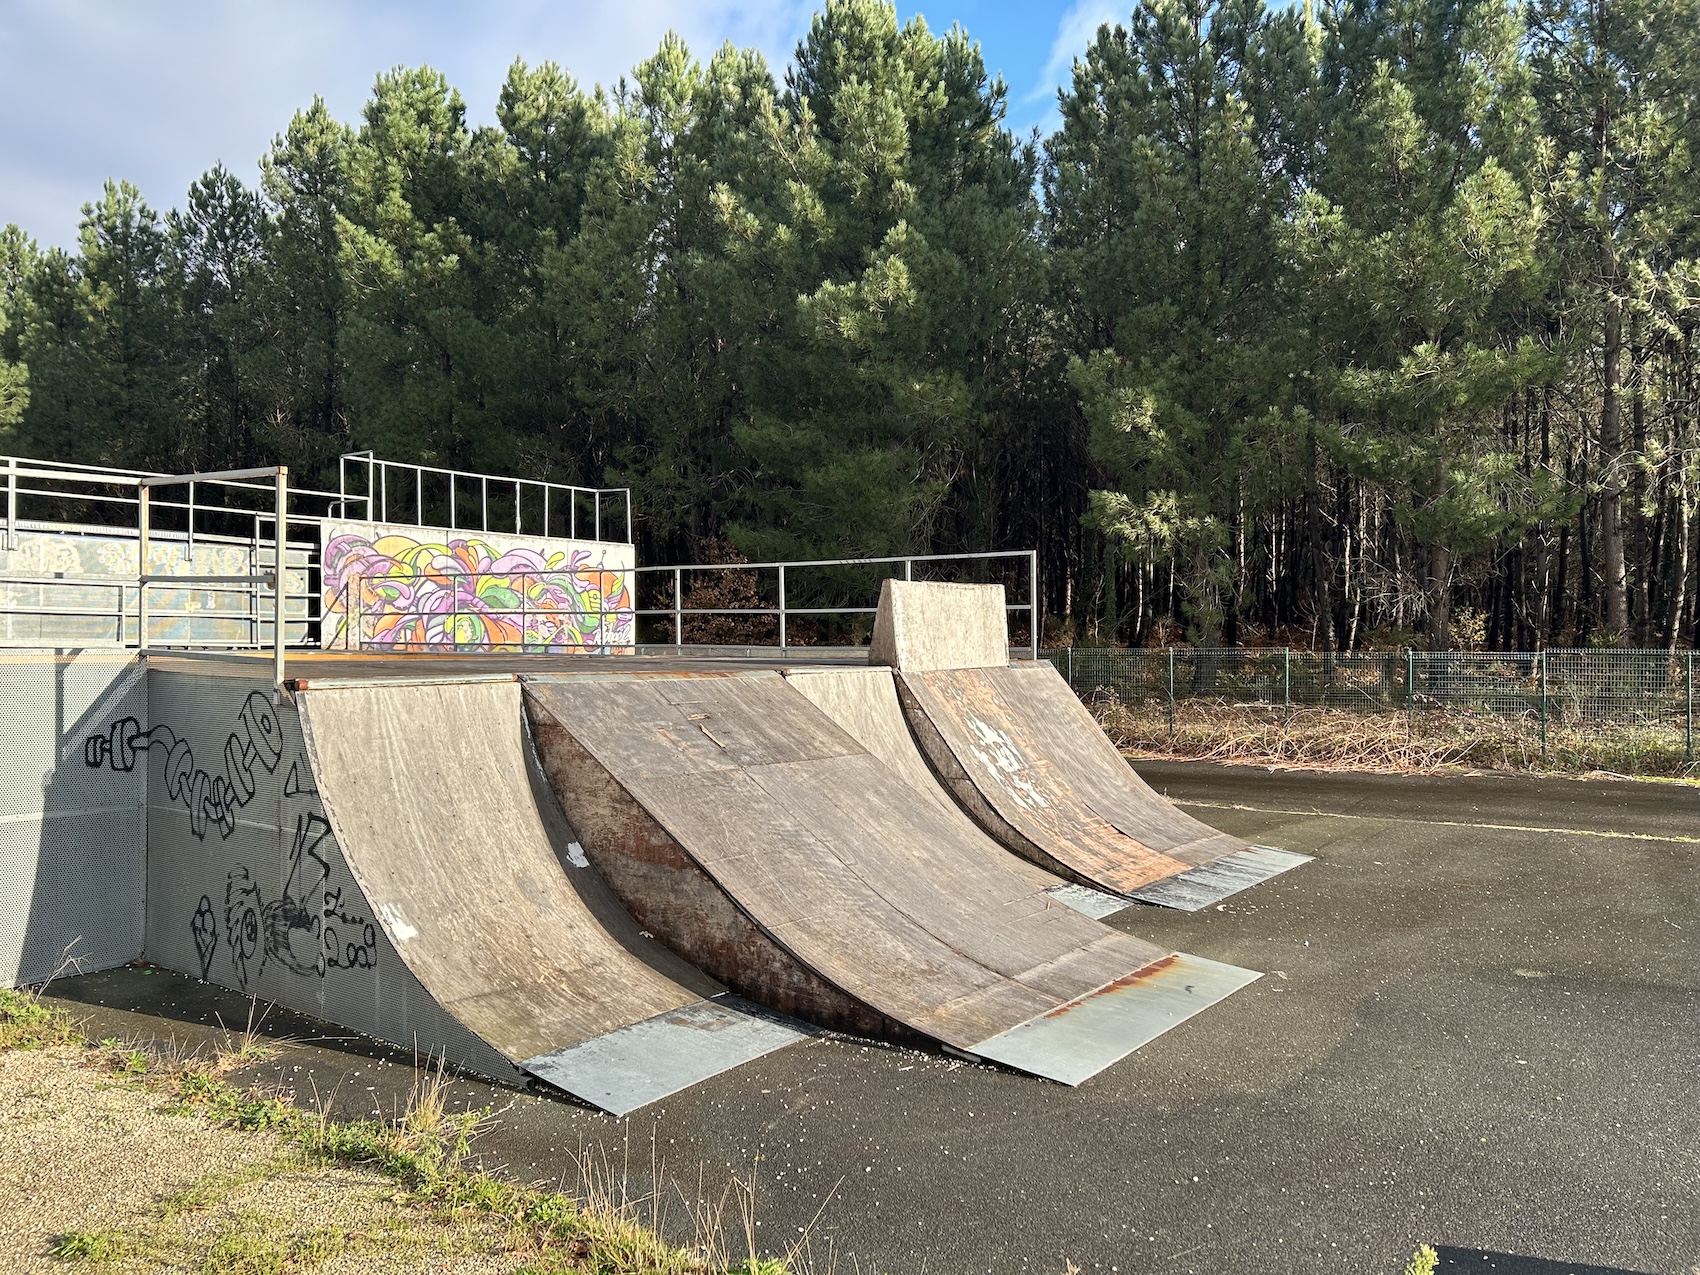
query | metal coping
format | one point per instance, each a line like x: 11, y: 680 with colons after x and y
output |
x: 1199, y: 887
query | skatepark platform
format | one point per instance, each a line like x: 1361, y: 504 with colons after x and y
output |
x: 706, y: 859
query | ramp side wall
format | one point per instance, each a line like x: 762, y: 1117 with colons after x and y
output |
x: 246, y: 885
x: 72, y: 838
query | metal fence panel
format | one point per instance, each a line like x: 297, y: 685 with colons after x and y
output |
x: 1596, y: 689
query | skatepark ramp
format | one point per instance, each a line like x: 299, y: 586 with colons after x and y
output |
x: 863, y: 701
x: 1024, y: 757
x: 450, y: 832
x: 742, y: 825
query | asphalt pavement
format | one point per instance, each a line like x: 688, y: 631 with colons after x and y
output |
x: 1479, y: 1028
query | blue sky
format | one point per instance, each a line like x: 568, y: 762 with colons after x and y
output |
x: 156, y: 93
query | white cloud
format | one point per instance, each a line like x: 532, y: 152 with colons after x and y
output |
x: 157, y: 93
x: 1076, y: 29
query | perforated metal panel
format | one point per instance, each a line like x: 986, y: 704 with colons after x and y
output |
x: 71, y: 841
x: 247, y: 887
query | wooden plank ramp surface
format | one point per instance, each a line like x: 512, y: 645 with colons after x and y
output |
x: 1025, y: 758
x: 740, y: 823
x: 452, y: 834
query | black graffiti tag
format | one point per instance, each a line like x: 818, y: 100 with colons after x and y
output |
x: 306, y: 930
x: 211, y: 800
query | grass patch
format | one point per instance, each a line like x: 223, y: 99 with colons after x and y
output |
x: 25, y: 1023
x: 89, y: 1246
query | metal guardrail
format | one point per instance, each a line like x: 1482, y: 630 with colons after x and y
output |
x: 456, y: 487
x: 279, y: 474
x: 785, y: 571
x: 1571, y: 687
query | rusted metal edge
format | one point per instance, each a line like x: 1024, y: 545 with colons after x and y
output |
x: 1078, y: 1040
x: 631, y: 1067
x: 1210, y: 883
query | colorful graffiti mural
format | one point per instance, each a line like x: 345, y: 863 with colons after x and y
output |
x: 397, y: 589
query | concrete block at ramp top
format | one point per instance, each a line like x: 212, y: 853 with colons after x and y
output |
x: 922, y: 625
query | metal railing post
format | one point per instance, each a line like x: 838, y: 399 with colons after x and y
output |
x: 1543, y: 677
x: 11, y: 502
x: 1410, y: 689
x: 1287, y: 678
x: 782, y: 607
x: 678, y: 609
x: 142, y: 568
x: 1071, y: 668
x: 1033, y: 599
x: 1171, y: 691
x: 1689, y: 692
x: 278, y: 576
x: 522, y: 592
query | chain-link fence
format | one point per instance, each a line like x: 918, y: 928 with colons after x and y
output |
x: 1576, y: 691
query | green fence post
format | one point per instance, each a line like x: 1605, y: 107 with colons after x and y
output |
x: 1287, y: 679
x: 1171, y: 692
x: 1071, y: 668
x: 1543, y: 671
x: 1410, y: 689
x: 1689, y: 689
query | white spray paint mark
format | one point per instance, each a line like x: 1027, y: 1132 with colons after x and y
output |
x: 1004, y: 762
x: 575, y: 855
x: 396, y: 923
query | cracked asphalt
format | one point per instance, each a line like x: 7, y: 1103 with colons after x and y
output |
x: 1479, y: 1027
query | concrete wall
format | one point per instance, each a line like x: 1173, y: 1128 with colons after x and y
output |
x: 922, y: 625
x: 245, y: 885
x: 72, y: 859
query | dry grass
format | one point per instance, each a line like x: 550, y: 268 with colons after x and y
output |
x: 1391, y: 743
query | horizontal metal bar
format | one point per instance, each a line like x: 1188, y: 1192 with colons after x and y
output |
x: 268, y: 578
x: 214, y: 476
x: 839, y: 562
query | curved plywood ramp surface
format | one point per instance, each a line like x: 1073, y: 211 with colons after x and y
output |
x: 435, y: 802
x: 863, y: 702
x: 1024, y: 756
x: 743, y: 825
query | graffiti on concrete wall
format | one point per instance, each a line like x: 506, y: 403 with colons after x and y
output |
x: 311, y: 927
x: 306, y: 929
x: 401, y: 590
x: 212, y: 800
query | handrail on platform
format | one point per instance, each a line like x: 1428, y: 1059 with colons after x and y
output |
x: 678, y: 611
x: 279, y: 474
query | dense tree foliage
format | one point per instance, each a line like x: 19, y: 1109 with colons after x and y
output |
x: 1343, y: 325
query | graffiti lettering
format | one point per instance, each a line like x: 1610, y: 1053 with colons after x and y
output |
x: 211, y: 800
x: 307, y: 930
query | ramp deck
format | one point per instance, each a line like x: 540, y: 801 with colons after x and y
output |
x: 453, y: 837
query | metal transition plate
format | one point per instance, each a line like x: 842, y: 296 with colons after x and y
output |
x: 1085, y: 1036
x: 631, y: 1067
x: 1211, y: 883
x: 1094, y: 903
